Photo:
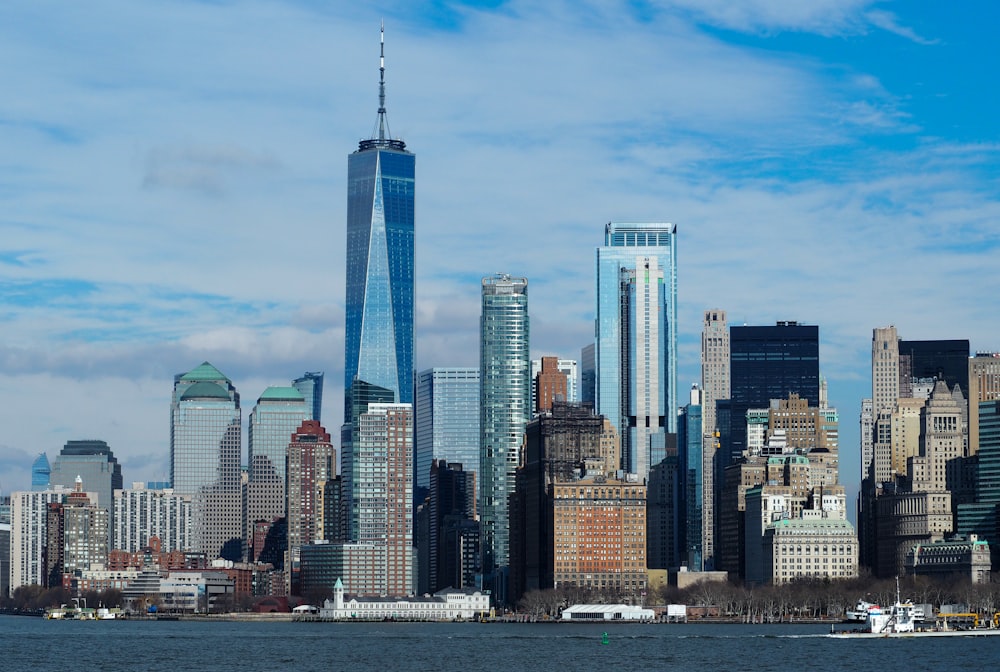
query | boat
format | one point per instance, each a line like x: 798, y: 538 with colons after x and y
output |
x: 859, y: 614
x: 901, y: 619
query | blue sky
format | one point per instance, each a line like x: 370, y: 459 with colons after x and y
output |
x: 172, y: 184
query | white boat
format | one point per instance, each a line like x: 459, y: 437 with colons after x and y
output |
x: 900, y: 620
x: 859, y: 614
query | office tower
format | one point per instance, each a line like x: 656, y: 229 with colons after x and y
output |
x: 934, y: 360
x: 205, y: 451
x: 568, y: 368
x: 984, y: 385
x: 276, y: 417
x: 505, y: 397
x: 769, y: 363
x: 142, y: 513
x: 981, y: 516
x: 380, y: 262
x: 714, y: 365
x: 446, y: 422
x: 588, y: 374
x: 452, y: 539
x: 549, y: 383
x: 691, y: 480
x: 312, y: 461
x: 311, y: 387
x: 93, y: 462
x: 85, y: 531
x: 28, y: 535
x: 40, y: 472
x: 572, y: 446
x: 636, y: 338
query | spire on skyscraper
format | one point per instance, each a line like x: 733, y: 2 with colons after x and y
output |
x: 381, y: 136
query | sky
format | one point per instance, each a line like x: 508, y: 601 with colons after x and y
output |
x: 172, y: 185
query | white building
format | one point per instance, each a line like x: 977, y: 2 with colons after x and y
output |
x: 810, y: 548
x: 141, y: 514
x: 28, y: 535
x: 606, y: 612
x: 197, y: 592
x: 447, y: 605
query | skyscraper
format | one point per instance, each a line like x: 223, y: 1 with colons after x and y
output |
x: 505, y: 398
x: 94, y: 463
x: 40, y: 472
x: 205, y: 452
x: 446, y: 422
x: 312, y: 460
x: 380, y: 262
x: 636, y: 338
x: 310, y: 384
x: 714, y: 365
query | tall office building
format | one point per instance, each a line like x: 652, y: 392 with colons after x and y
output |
x: 588, y: 374
x: 205, y: 452
x: 40, y: 472
x: 310, y: 384
x: 769, y: 363
x: 380, y: 261
x: 278, y: 413
x: 94, y: 463
x: 691, y: 495
x: 984, y: 385
x: 505, y: 398
x: 714, y: 365
x: 446, y: 422
x: 636, y: 338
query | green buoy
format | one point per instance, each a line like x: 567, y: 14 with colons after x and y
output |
x: 604, y: 638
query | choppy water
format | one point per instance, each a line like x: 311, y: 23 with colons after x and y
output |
x: 109, y: 646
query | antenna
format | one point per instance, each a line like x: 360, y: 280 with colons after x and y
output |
x: 381, y: 83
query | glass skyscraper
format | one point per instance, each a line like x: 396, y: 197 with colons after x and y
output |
x: 310, y: 384
x: 505, y: 398
x: 446, y: 422
x: 380, y: 265
x: 636, y: 338
x: 277, y: 415
x: 205, y: 451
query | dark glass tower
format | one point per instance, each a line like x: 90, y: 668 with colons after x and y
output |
x: 380, y: 269
x: 769, y: 363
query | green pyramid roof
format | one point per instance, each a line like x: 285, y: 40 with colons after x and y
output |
x: 204, y: 372
x: 281, y: 394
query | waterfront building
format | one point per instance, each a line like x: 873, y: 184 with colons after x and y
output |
x: 816, y: 548
x: 450, y: 604
x: 505, y: 397
x: 199, y: 592
x: 378, y: 336
x: 205, y: 451
x: 28, y: 535
x: 142, y: 513
x: 636, y: 338
x: 310, y: 384
x: 5, y: 557
x: 445, y: 422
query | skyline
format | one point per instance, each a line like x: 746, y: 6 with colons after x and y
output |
x: 178, y: 197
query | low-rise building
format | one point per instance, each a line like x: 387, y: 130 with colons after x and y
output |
x: 810, y: 548
x: 446, y: 605
x: 195, y: 592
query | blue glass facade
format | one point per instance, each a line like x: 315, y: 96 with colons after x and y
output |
x: 446, y: 422
x: 311, y: 387
x: 505, y: 396
x: 380, y: 267
x: 689, y: 444
x: 636, y: 337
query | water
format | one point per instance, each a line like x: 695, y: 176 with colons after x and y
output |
x: 177, y: 646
